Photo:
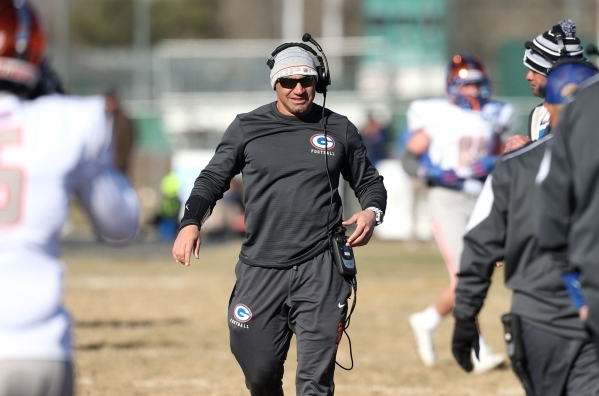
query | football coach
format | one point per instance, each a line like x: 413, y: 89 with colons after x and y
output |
x: 292, y: 154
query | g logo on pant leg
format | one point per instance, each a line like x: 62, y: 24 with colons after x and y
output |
x: 242, y: 313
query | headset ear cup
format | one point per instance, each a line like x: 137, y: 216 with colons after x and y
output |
x: 321, y: 84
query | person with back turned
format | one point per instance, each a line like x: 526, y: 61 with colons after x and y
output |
x: 550, y: 349
x: 52, y: 147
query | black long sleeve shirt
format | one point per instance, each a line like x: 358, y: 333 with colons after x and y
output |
x: 287, y: 193
x: 501, y: 228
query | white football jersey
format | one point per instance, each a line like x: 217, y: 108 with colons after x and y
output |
x: 458, y: 137
x: 51, y: 148
x: 500, y: 115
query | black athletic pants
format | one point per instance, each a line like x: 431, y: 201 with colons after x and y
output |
x: 268, y: 305
x: 559, y: 366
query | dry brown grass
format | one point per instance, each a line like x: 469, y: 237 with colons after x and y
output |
x: 146, y: 326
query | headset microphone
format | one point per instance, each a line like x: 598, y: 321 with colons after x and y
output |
x: 592, y: 50
x: 326, y: 75
x: 308, y: 37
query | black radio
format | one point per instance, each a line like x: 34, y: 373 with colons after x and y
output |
x: 343, y: 255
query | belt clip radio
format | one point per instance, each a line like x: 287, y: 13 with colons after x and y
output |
x: 513, y: 338
x: 343, y: 255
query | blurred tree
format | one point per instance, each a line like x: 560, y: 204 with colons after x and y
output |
x: 184, y: 19
x: 110, y: 22
x: 102, y: 22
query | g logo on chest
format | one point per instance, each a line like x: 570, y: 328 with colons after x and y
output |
x: 319, y: 142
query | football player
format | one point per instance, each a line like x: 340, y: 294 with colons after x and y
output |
x: 454, y: 145
x: 51, y: 147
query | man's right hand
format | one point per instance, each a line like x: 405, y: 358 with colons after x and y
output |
x: 465, y: 340
x: 187, y: 241
x: 515, y: 142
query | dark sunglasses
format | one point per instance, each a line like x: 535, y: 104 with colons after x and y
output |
x: 290, y: 83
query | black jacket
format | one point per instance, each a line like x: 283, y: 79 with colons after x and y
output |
x: 287, y: 193
x: 500, y: 228
x: 567, y: 215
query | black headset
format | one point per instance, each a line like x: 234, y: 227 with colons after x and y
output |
x: 559, y: 35
x: 324, y: 75
x: 564, y: 57
x: 592, y: 50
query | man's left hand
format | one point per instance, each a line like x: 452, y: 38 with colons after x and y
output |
x: 465, y: 339
x: 365, y: 222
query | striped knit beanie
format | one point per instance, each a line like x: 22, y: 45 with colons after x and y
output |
x: 544, y: 50
x: 292, y: 61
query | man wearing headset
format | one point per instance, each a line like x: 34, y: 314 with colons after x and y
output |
x: 555, y: 355
x: 539, y: 56
x: 287, y: 281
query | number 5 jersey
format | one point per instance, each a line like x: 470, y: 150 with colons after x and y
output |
x: 51, y: 148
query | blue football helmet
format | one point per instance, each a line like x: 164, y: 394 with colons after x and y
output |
x: 565, y: 77
x: 464, y: 69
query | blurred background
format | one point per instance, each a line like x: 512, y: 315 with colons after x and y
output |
x: 182, y: 69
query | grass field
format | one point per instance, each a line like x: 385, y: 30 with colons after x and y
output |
x: 148, y: 326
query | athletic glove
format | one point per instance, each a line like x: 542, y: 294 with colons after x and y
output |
x: 465, y: 339
x: 482, y: 167
x: 439, y: 177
